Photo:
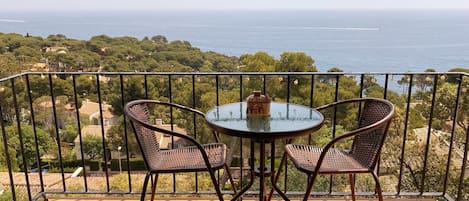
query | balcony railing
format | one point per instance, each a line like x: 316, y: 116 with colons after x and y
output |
x: 46, y: 128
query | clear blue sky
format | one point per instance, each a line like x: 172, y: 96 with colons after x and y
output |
x: 27, y: 5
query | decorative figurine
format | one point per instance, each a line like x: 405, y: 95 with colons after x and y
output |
x: 258, y: 104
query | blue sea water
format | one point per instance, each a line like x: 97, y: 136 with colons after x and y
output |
x: 353, y: 40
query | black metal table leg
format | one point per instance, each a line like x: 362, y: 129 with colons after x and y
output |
x: 274, y: 177
x: 262, y: 191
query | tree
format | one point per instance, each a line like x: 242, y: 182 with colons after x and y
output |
x: 445, y: 104
x: 455, y: 78
x: 424, y: 81
x: 133, y: 89
x: 85, y: 59
x: 434, y: 173
x: 219, y: 63
x: 26, y: 53
x: 295, y: 62
x: 69, y: 133
x: 116, y: 137
x: 45, y: 145
x: 8, y: 65
x: 159, y: 39
x: 56, y: 37
x: 259, y: 62
x: 86, y: 87
x: 92, y: 147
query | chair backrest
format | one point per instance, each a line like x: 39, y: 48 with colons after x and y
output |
x: 139, y: 115
x: 366, y: 146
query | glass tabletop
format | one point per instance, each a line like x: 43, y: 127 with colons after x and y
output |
x: 285, y: 120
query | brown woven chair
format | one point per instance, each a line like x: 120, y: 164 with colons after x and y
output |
x: 197, y: 157
x: 373, y: 122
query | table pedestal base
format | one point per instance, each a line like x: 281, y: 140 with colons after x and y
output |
x: 262, y: 172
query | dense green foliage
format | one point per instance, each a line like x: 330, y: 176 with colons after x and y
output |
x: 25, y: 141
x: 59, y: 53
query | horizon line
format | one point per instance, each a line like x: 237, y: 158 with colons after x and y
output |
x: 227, y: 9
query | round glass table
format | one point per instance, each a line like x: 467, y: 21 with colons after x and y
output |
x: 286, y: 121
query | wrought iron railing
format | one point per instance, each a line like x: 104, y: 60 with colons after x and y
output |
x: 424, y: 155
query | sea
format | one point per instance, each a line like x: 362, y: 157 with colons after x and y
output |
x: 352, y: 40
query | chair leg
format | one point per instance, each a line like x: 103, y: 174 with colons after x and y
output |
x: 378, y: 186
x: 227, y: 169
x: 352, y: 185
x: 145, y: 184
x: 153, y: 187
x: 215, y: 183
x: 309, y: 188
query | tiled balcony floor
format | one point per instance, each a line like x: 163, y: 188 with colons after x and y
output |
x: 215, y: 199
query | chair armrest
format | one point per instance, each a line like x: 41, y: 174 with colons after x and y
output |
x: 338, y: 103
x: 345, y: 136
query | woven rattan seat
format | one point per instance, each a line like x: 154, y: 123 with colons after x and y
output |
x: 193, y: 157
x: 374, y: 118
x: 306, y: 157
x: 189, y: 159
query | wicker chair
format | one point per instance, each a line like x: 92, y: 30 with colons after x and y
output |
x: 197, y: 157
x: 373, y: 122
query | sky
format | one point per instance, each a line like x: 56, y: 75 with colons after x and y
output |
x: 65, y: 5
